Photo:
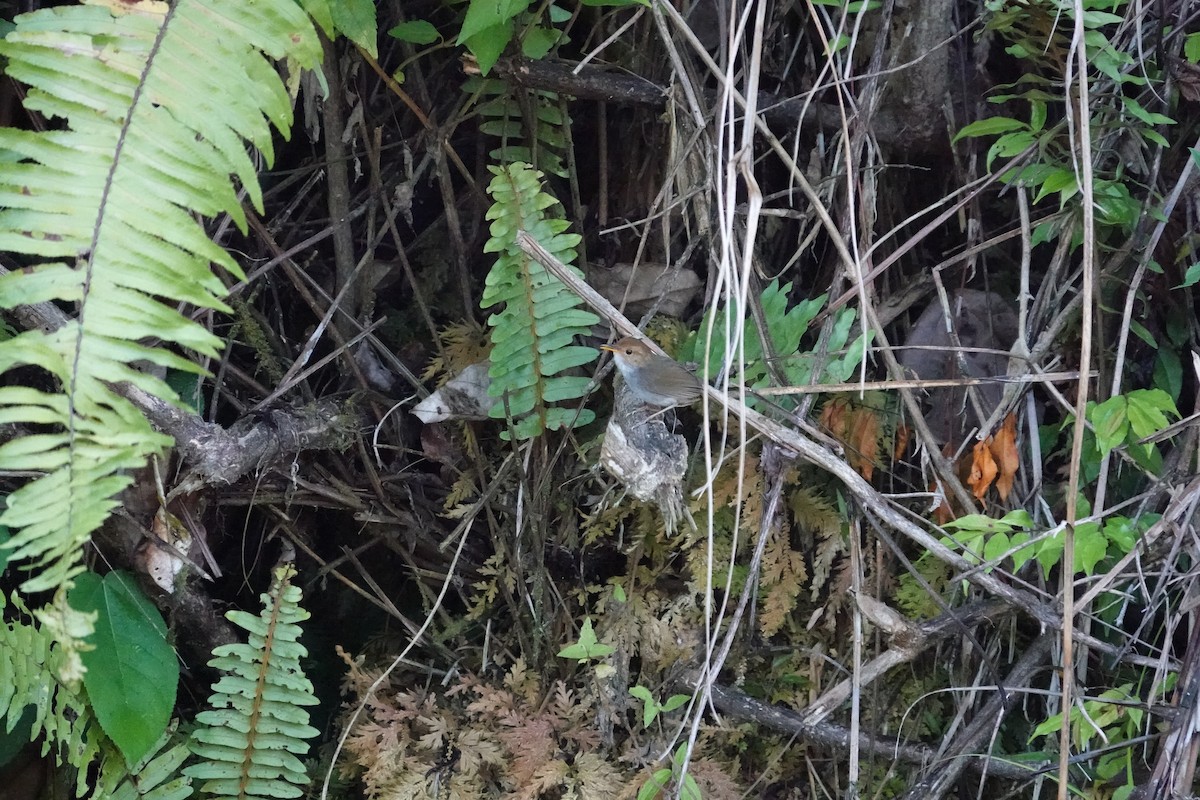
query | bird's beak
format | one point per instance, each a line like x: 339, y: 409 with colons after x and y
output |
x: 608, y: 347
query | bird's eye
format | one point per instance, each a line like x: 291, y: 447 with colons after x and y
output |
x: 628, y: 351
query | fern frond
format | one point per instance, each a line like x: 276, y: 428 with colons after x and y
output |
x: 532, y: 337
x: 155, y: 777
x: 252, y: 739
x: 157, y: 103
x: 31, y: 661
x: 539, y: 141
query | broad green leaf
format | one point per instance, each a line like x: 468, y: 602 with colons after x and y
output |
x: 1025, y: 552
x: 675, y: 701
x: 1010, y: 144
x: 1121, y: 532
x: 1098, y: 19
x: 418, y: 31
x: 1048, y: 727
x: 990, y: 127
x: 489, y: 15
x: 1191, y: 47
x: 1037, y: 114
x: 1111, y: 421
x: 1049, y: 552
x: 538, y: 42
x: 997, y: 545
x: 355, y: 19
x: 132, y: 673
x: 1090, y: 547
x: 650, y: 707
x: 1147, y: 409
x: 1061, y: 180
x: 655, y: 785
x: 1193, y: 272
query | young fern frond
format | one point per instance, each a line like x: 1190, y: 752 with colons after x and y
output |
x: 255, y: 733
x: 156, y: 103
x: 532, y: 338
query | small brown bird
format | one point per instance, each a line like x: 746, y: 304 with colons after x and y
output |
x: 655, y: 380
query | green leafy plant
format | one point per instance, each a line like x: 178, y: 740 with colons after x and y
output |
x: 101, y: 208
x: 532, y: 338
x: 1095, y: 542
x: 251, y: 740
x: 1128, y: 418
x: 588, y: 647
x: 651, y: 708
x: 983, y: 538
x: 662, y: 780
x: 1117, y: 715
x: 39, y: 673
x: 489, y: 26
x: 1038, y: 32
x: 785, y: 329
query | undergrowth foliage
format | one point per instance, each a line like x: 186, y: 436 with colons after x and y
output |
x: 572, y: 626
x: 517, y: 737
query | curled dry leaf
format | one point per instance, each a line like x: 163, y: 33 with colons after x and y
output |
x: 1004, y: 450
x: 983, y: 469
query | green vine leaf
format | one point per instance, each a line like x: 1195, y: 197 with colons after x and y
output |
x: 132, y: 671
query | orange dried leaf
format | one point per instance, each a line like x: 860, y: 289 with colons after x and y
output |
x: 983, y: 469
x: 833, y: 418
x: 1004, y: 451
x: 863, y: 441
x: 901, y: 442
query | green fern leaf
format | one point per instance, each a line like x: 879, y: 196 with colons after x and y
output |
x: 156, y: 776
x: 252, y: 739
x: 157, y: 103
x: 31, y: 666
x: 539, y: 141
x: 532, y: 338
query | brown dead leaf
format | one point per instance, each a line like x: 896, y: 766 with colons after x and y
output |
x: 863, y: 441
x: 903, y: 432
x: 1004, y: 450
x: 983, y: 469
x: 833, y: 418
x: 857, y: 428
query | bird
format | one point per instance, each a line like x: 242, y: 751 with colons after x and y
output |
x: 654, y: 379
